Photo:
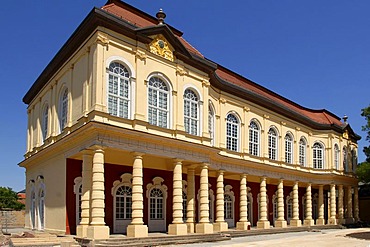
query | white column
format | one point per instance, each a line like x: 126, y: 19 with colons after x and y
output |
x: 280, y: 222
x: 295, y: 221
x: 220, y: 224
x: 333, y: 206
x: 262, y: 222
x: 190, y: 210
x: 356, y: 205
x: 341, y: 219
x: 85, y: 197
x: 321, y: 219
x: 308, y: 221
x: 349, y: 215
x: 204, y: 226
x: 137, y: 227
x: 177, y: 227
x: 97, y: 228
x: 243, y: 223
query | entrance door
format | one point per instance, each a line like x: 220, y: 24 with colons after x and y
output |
x: 122, y: 208
x: 157, y: 221
x: 229, y: 210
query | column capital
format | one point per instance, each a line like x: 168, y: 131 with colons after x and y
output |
x: 176, y: 160
x: 321, y: 186
x: 243, y: 175
x: 137, y: 154
x: 192, y: 167
x: 87, y: 151
x: 204, y: 165
x: 263, y: 178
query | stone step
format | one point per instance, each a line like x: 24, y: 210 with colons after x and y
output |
x: 34, y: 242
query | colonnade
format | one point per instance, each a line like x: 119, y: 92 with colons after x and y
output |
x: 92, y: 223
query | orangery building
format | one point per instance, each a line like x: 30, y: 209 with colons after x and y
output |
x: 132, y: 130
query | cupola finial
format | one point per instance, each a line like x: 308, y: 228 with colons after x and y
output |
x: 160, y: 16
x: 345, y: 117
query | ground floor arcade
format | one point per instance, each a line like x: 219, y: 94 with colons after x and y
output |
x: 163, y: 194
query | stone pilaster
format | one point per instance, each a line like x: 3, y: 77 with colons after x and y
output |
x: 177, y: 227
x: 97, y: 228
x: 137, y: 227
x: 243, y: 223
x: 262, y: 222
x: 356, y: 205
x: 280, y: 222
x: 333, y: 206
x: 295, y: 221
x: 220, y: 224
x: 341, y: 219
x: 308, y: 221
x: 321, y: 220
x: 349, y: 215
x: 81, y: 230
x: 204, y: 226
x: 190, y: 209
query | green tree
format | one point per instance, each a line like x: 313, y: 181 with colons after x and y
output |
x: 363, y: 170
x: 9, y: 199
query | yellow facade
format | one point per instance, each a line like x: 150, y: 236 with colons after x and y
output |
x: 89, y: 126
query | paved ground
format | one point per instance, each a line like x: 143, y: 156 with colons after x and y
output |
x: 323, y: 238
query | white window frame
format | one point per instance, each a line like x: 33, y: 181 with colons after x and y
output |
x: 336, y: 156
x: 157, y: 225
x: 45, y: 122
x: 254, y: 138
x: 232, y: 139
x: 250, y: 205
x: 345, y: 159
x: 302, y: 152
x: 158, y: 109
x: 289, y: 207
x: 194, y: 121
x: 33, y: 199
x: 63, y: 108
x: 77, y: 189
x: 273, y: 139
x: 184, y: 200
x: 289, y: 147
x: 211, y: 123
x: 40, y: 203
x: 231, y: 205
x: 318, y: 155
x: 122, y: 79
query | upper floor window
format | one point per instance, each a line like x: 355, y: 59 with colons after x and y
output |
x: 302, y: 152
x: 232, y: 132
x: 318, y: 156
x: 254, y: 138
x: 345, y: 159
x: 354, y: 160
x: 272, y: 142
x: 118, y: 90
x: 288, y: 149
x: 45, y: 121
x: 336, y: 156
x: 191, y: 112
x: 63, y: 109
x: 158, y: 102
x: 211, y: 124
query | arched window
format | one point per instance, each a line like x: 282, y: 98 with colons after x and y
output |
x: 63, y: 109
x: 123, y: 202
x: 77, y: 189
x: 318, y: 156
x: 229, y: 199
x: 302, y: 152
x: 289, y: 207
x: 41, y: 208
x: 119, y: 91
x: 345, y: 160
x: 354, y: 160
x: 33, y: 209
x: 45, y: 121
x: 232, y: 132
x: 184, y: 200
x: 288, y: 149
x: 211, y: 124
x: 157, y: 196
x: 156, y: 204
x: 272, y: 142
x: 336, y: 156
x: 191, y: 112
x: 158, y: 102
x: 254, y: 138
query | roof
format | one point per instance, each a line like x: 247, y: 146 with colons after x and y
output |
x: 128, y: 20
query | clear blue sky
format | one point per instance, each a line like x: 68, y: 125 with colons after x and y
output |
x: 316, y: 53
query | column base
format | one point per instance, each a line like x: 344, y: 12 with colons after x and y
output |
x: 320, y: 222
x: 98, y: 232
x: 280, y: 223
x: 204, y: 228
x: 341, y: 221
x: 220, y: 227
x: 177, y: 229
x: 332, y: 222
x: 137, y: 231
x: 295, y: 223
x: 81, y: 231
x: 243, y: 226
x: 190, y: 227
x: 309, y: 222
x: 350, y: 220
x: 263, y: 224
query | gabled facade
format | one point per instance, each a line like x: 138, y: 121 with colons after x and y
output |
x: 132, y: 130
